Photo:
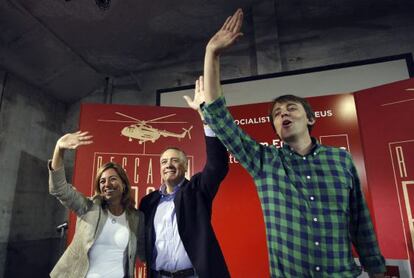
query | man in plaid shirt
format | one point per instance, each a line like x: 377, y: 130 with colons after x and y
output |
x: 313, y: 206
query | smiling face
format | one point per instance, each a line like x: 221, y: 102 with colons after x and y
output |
x: 290, y: 121
x: 173, y: 165
x: 111, y: 186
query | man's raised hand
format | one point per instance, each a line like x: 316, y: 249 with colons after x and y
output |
x: 227, y: 35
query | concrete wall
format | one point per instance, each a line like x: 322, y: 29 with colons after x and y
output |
x: 30, y: 123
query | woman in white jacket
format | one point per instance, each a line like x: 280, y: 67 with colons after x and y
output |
x: 109, y: 233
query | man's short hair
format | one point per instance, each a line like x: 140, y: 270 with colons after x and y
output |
x: 292, y: 98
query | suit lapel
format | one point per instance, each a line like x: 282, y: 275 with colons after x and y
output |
x: 150, y: 240
x: 178, y: 199
x: 133, y: 228
x: 153, y: 204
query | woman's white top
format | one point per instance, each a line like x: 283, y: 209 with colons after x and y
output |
x: 107, y: 254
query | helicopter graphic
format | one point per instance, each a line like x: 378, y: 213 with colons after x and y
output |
x: 143, y: 132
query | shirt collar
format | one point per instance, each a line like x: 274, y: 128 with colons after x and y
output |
x: 163, y: 189
x: 316, y: 147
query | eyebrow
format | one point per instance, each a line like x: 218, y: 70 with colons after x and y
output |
x: 174, y: 157
x: 109, y: 177
x: 289, y: 104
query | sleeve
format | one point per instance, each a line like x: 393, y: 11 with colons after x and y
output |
x: 246, y: 150
x: 66, y: 193
x: 362, y: 230
x: 216, y: 167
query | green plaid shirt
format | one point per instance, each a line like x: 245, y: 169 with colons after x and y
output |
x: 313, y: 206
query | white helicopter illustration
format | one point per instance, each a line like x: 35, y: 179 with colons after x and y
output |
x: 144, y: 132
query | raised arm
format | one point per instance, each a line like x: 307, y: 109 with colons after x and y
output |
x: 247, y: 151
x: 216, y: 166
x: 58, y: 185
x: 222, y: 40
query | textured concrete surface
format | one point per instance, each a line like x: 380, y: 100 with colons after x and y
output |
x: 29, y: 125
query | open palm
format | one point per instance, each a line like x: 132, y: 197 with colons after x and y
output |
x: 198, y: 95
x: 74, y: 140
x: 228, y: 33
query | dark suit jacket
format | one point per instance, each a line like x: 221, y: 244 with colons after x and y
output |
x: 193, y: 203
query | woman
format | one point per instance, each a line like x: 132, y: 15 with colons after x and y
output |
x: 109, y: 231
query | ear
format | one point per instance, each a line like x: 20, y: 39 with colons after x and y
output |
x: 311, y: 121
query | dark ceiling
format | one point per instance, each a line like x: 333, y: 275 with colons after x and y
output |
x: 67, y: 48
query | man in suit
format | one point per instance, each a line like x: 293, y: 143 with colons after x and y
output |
x: 180, y: 241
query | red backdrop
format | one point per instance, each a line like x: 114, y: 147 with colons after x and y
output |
x: 237, y: 215
x: 386, y: 115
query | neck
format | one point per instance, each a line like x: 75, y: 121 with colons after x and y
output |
x: 116, y: 209
x: 301, y: 145
x: 170, y: 187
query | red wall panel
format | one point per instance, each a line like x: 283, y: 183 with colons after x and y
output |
x: 237, y: 215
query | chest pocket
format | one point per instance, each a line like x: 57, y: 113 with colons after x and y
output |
x: 335, y: 190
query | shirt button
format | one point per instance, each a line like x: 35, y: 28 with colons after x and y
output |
x: 308, y: 177
x: 304, y: 158
x: 311, y: 198
x: 315, y: 219
x: 317, y: 268
x: 314, y: 153
x: 317, y: 243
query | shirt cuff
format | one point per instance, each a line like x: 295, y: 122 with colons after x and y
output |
x: 49, y: 166
x: 216, y: 104
x: 373, y: 264
x: 208, y: 131
x: 213, y: 109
